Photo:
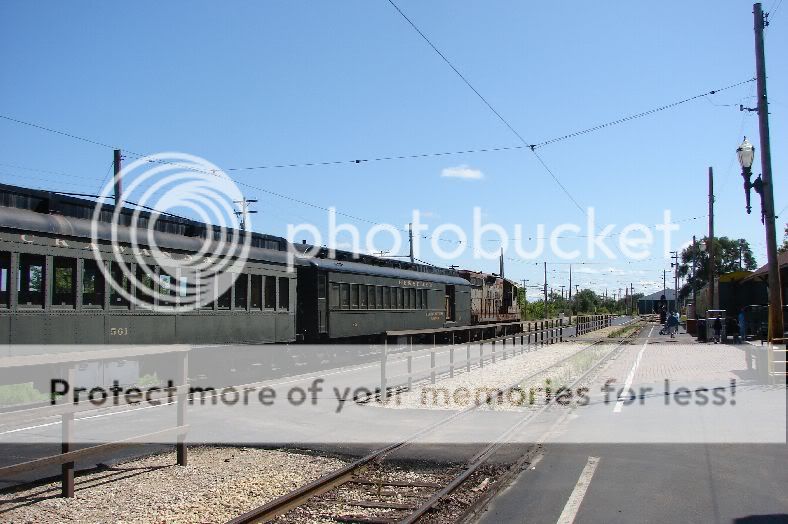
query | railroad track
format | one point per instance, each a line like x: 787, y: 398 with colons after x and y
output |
x: 385, y: 493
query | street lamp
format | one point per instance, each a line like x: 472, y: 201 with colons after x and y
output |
x: 746, y: 154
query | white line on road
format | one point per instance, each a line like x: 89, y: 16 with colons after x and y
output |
x: 576, y: 498
x: 628, y: 384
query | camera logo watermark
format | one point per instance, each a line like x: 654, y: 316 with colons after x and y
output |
x: 185, y: 276
x: 450, y: 241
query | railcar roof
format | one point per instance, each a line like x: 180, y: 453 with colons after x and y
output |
x: 365, y: 269
x: 23, y: 220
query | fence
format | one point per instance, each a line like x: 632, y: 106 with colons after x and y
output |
x: 777, y: 356
x: 67, y: 411
x: 588, y: 323
x: 532, y: 333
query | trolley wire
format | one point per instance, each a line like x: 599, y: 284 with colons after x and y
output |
x: 489, y: 105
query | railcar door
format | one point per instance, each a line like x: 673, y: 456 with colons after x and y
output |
x: 450, y: 303
x: 322, y: 302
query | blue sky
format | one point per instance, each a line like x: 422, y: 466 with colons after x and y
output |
x: 265, y: 83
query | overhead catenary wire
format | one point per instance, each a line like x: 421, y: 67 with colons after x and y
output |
x: 489, y: 105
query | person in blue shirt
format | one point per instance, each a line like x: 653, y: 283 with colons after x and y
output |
x: 742, y: 325
x: 673, y: 324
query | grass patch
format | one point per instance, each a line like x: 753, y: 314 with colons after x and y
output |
x: 625, y: 331
x: 25, y: 393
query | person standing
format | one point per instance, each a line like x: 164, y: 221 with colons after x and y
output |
x: 742, y: 325
x: 717, y: 326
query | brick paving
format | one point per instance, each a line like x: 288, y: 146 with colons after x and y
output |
x: 681, y: 359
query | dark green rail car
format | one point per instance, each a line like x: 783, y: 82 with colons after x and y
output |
x: 78, y: 306
x: 345, y: 300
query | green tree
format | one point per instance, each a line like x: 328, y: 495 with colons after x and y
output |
x: 729, y: 253
x: 784, y: 247
x: 586, y: 301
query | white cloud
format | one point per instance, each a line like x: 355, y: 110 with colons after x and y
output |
x: 463, y: 172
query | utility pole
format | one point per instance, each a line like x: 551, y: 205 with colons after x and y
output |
x: 525, y: 299
x: 776, y: 329
x: 570, y: 293
x: 562, y: 291
x: 626, y: 300
x: 694, y: 289
x: 631, y: 299
x: 500, y: 270
x: 244, y: 212
x: 410, y: 242
x: 710, y: 241
x: 664, y: 286
x: 116, y: 177
x: 544, y: 313
x: 675, y: 266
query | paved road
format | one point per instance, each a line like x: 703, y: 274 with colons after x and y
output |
x: 629, y: 482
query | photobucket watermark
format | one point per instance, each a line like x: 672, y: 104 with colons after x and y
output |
x: 485, y: 240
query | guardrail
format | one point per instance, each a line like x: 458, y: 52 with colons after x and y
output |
x: 175, y: 393
x: 529, y: 333
x: 588, y: 323
x: 777, y: 360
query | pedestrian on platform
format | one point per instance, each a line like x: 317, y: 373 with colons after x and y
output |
x: 742, y: 325
x: 717, y: 326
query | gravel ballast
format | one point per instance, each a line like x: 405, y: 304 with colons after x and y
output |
x: 461, y: 391
x: 219, y: 483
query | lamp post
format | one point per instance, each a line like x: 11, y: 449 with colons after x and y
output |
x: 746, y: 155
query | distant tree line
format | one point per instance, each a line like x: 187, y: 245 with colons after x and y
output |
x: 584, y: 302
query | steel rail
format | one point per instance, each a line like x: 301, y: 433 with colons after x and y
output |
x: 299, y: 496
x: 480, y: 458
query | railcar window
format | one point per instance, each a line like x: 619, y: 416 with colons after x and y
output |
x: 413, y: 298
x: 225, y: 284
x: 257, y: 292
x: 270, y: 292
x: 120, y: 280
x: 5, y: 265
x: 424, y: 296
x: 92, y: 285
x: 31, y: 280
x: 65, y: 282
x: 344, y: 292
x: 400, y: 298
x: 207, y: 290
x: 419, y: 301
x: 321, y: 286
x: 354, y: 296
x: 379, y: 293
x: 146, y: 290
x: 187, y: 291
x: 407, y: 299
x: 284, y: 293
x: 372, y: 297
x: 240, y: 291
x: 167, y: 288
x: 386, y: 297
x: 333, y: 297
x: 362, y: 296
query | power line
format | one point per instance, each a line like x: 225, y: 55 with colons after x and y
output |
x: 640, y: 115
x: 57, y: 132
x: 488, y: 104
x: 410, y: 156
